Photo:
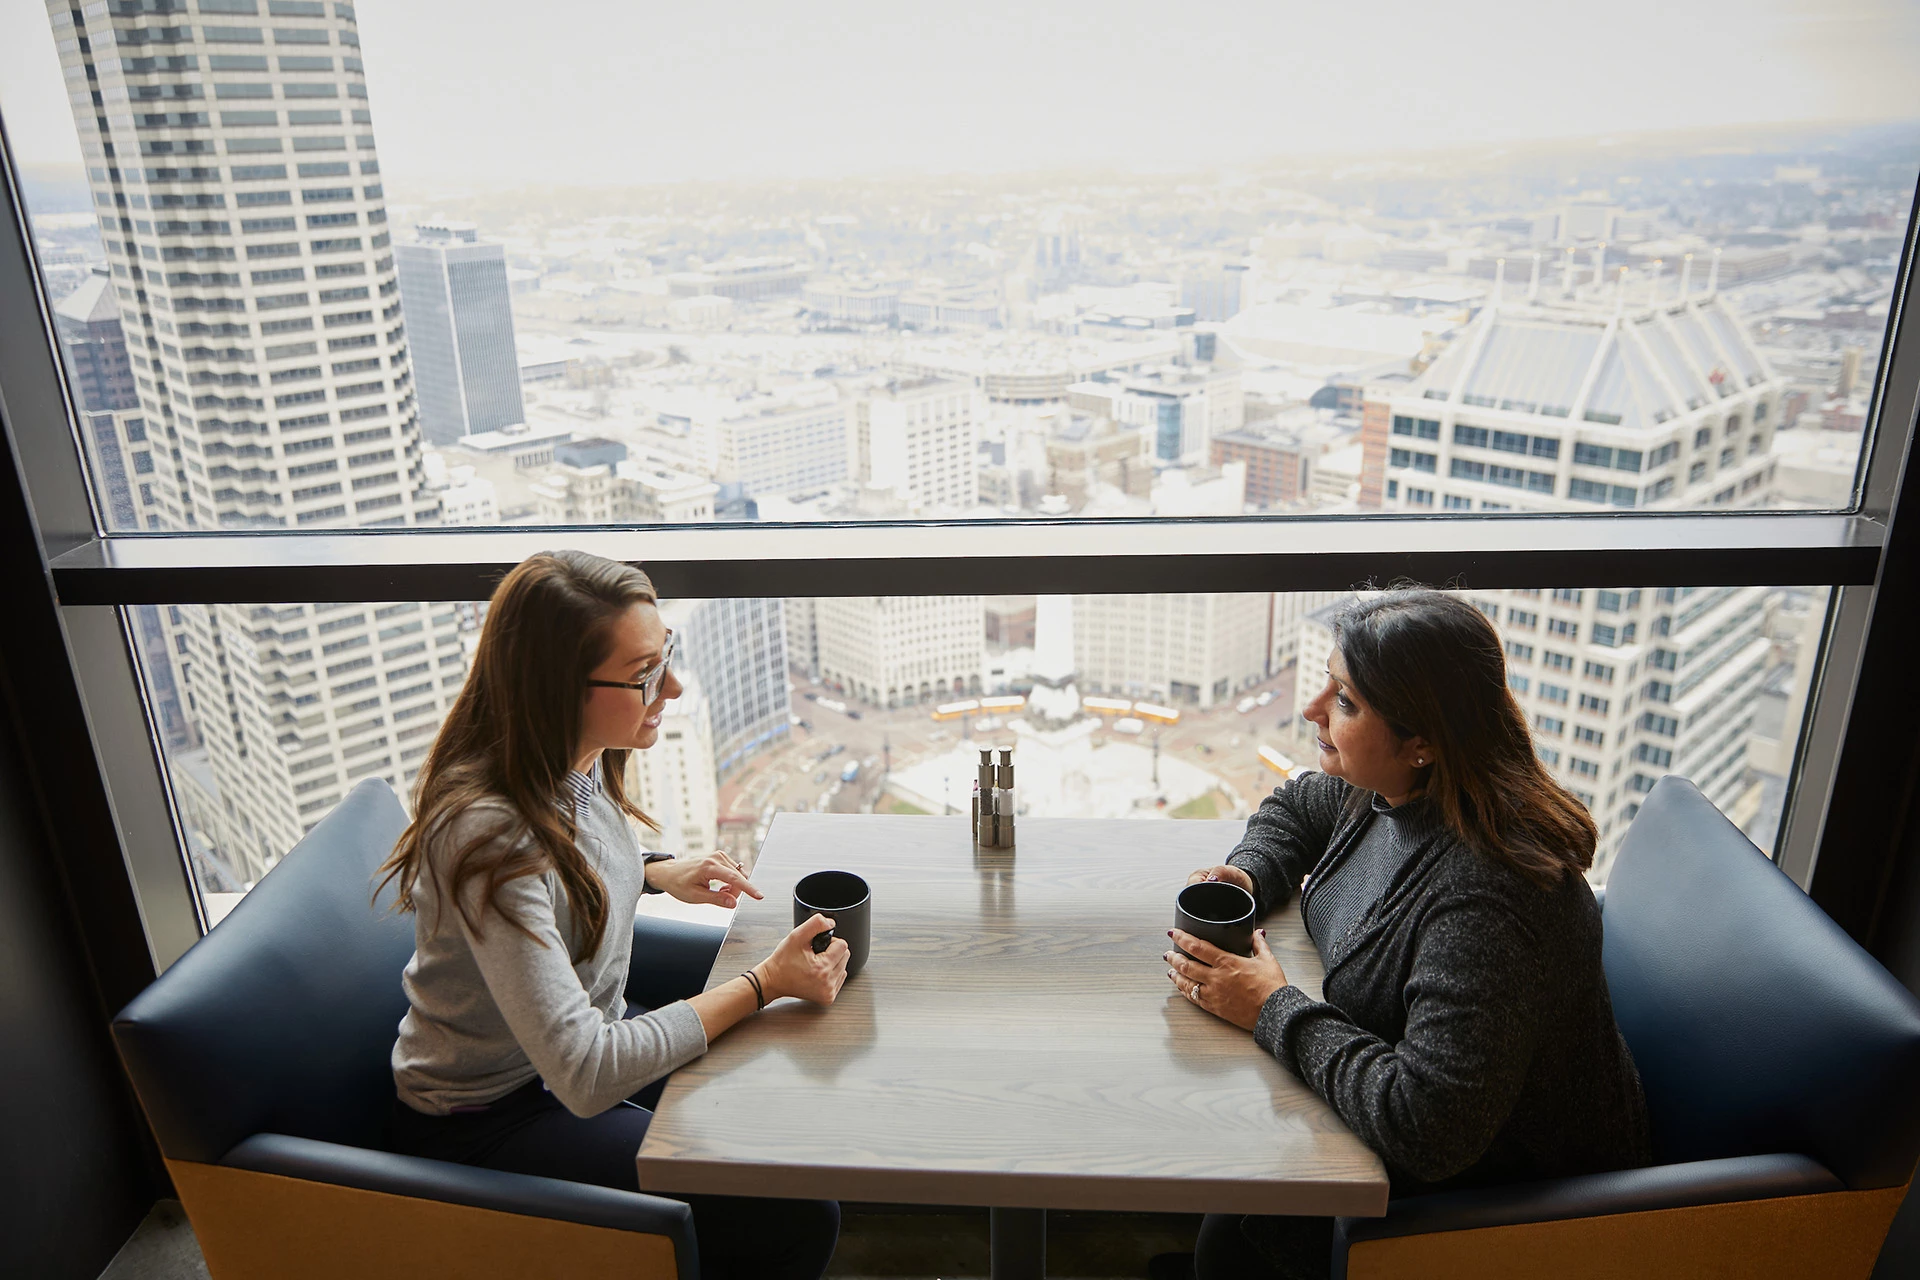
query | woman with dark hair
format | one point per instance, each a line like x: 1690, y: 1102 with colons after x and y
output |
x: 1466, y: 1034
x: 523, y: 870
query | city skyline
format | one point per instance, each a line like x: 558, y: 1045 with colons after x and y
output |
x: 1262, y: 341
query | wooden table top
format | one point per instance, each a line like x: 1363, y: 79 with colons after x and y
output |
x: 1013, y: 1040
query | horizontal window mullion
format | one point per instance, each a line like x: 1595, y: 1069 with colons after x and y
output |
x: 998, y: 557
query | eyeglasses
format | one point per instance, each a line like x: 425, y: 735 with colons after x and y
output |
x: 648, y: 684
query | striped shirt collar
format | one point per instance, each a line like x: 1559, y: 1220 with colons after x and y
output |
x: 583, y: 787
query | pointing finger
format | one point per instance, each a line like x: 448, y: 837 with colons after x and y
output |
x: 727, y: 872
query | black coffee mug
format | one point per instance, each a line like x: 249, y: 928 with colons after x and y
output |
x: 1217, y: 912
x: 843, y: 898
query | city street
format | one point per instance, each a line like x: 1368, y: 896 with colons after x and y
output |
x: 804, y: 775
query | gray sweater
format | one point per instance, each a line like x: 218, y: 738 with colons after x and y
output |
x: 1467, y: 1035
x: 493, y: 1008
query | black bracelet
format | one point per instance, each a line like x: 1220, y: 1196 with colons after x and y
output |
x: 759, y: 993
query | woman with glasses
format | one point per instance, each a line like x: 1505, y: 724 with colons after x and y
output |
x: 522, y: 872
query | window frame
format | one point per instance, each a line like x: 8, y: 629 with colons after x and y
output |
x: 95, y: 575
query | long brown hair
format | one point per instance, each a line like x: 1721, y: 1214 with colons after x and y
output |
x: 1431, y: 665
x: 512, y: 734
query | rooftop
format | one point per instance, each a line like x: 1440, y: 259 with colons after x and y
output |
x: 1629, y: 367
x: 92, y: 302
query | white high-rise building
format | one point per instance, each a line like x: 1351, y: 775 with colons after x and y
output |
x: 920, y: 437
x: 803, y: 634
x: 778, y: 447
x: 1585, y: 403
x: 1189, y: 650
x: 1577, y: 406
x: 232, y: 165
x: 899, y: 650
x: 460, y: 315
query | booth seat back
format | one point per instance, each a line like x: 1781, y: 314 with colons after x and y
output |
x: 282, y: 1019
x: 1757, y: 1024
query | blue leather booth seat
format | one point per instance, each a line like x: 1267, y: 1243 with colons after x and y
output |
x: 266, y: 1047
x: 1757, y: 1024
x: 1781, y: 1064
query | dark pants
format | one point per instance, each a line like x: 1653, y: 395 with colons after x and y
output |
x: 1233, y: 1246
x: 528, y: 1131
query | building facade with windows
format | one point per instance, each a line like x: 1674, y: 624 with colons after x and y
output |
x: 460, y: 320
x: 920, y: 437
x: 1187, y: 650
x: 774, y: 447
x: 891, y: 651
x: 738, y: 650
x: 1180, y: 408
x: 1583, y: 403
x: 233, y: 170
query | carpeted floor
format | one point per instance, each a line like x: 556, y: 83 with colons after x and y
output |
x: 877, y: 1242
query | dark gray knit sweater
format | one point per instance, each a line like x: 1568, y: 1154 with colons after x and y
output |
x: 1467, y: 1035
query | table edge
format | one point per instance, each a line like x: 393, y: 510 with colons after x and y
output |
x: 1121, y: 1193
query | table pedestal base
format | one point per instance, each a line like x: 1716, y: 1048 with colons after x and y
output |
x: 1019, y: 1244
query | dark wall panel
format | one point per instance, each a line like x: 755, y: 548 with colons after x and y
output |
x: 73, y: 1171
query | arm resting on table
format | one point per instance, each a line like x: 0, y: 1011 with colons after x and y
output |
x: 1597, y: 1195
x: 671, y: 960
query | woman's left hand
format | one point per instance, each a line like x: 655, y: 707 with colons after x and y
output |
x: 1232, y: 987
x: 690, y: 879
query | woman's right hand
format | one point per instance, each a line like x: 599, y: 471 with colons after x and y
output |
x: 795, y: 969
x: 1232, y: 875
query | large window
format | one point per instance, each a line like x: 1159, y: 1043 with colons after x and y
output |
x: 1183, y: 706
x: 813, y: 304
x: 1660, y: 321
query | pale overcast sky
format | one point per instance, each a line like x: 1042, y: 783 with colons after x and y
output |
x: 631, y: 91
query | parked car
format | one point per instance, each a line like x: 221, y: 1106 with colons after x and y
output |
x: 851, y: 772
x: 1244, y: 705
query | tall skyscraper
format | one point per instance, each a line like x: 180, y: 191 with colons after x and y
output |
x: 94, y: 347
x: 1582, y: 402
x: 460, y: 317
x: 738, y: 649
x: 127, y: 486
x: 920, y: 438
x: 231, y: 159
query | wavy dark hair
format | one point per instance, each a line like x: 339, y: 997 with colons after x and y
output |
x: 1431, y: 665
x: 512, y: 734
